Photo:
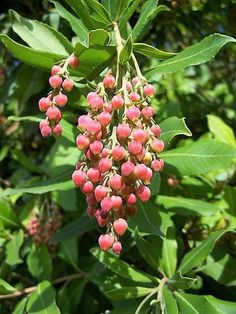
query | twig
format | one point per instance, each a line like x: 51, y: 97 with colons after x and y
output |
x: 34, y: 288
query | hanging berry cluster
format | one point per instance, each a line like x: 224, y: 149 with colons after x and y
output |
x: 43, y: 228
x: 120, y: 144
x: 59, y: 82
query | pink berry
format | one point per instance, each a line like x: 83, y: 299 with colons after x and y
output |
x: 135, y: 97
x: 143, y: 193
x: 55, y: 81
x: 131, y: 199
x: 90, y: 211
x: 79, y: 177
x: 127, y: 168
x: 53, y: 113
x: 106, y: 204
x: 156, y: 130
x: 93, y: 175
x: 108, y: 107
x: 104, y: 118
x: 157, y: 165
x: 117, y: 247
x: 109, y: 81
x: 123, y: 131
x: 140, y: 135
x: 148, y: 175
x: 61, y: 100
x: 68, y: 85
x: 128, y: 86
x: 117, y: 102
x: 157, y: 145
x: 93, y: 127
x: 91, y: 95
x: 140, y: 171
x: 87, y: 188
x: 82, y: 122
x: 96, y: 103
x: 96, y: 147
x: 57, y: 130
x: 73, y: 62
x: 149, y: 90
x: 43, y: 123
x: 133, y: 113
x: 44, y: 104
x: 118, y: 153
x: 135, y: 147
x: 91, y: 200
x: 105, y: 152
x: 100, y: 192
x: 82, y: 141
x: 56, y: 69
x: 120, y: 226
x: 147, y: 112
x: 116, y: 202
x: 46, y: 131
x: 116, y: 182
x: 135, y: 80
x: 105, y: 241
x: 105, y: 164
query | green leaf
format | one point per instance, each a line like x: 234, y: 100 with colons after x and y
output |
x: 152, y: 52
x: 195, y: 304
x: 75, y: 228
x: 196, y: 54
x: 220, y: 130
x: 5, y: 288
x: 150, y: 220
x: 128, y: 13
x: 173, y: 126
x: 13, y: 249
x: 221, y: 267
x: 77, y: 25
x: 170, y: 304
x: 24, y: 118
x: 25, y: 161
x: 81, y: 9
x: 149, y: 252
x: 98, y: 37
x: 61, y: 182
x: 146, y: 15
x: 187, y: 206
x: 198, y: 254
x: 39, y: 263
x: 201, y: 157
x: 40, y: 36
x: 121, y: 7
x: 126, y: 51
x: 121, y: 268
x: 69, y: 251
x: 128, y: 293
x: 43, y: 300
x: 169, y: 253
x: 180, y: 282
x: 7, y: 215
x: 20, y: 307
x: 35, y: 58
x: 99, y: 13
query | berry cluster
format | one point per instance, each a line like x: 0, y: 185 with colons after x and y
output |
x: 42, y: 229
x: 120, y: 143
x: 59, y: 82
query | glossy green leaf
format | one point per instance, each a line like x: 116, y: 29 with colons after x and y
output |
x: 150, y: 220
x: 172, y: 127
x: 75, y: 228
x: 128, y: 293
x: 98, y: 12
x: 76, y: 24
x: 25, y: 161
x: 180, y: 282
x: 40, y: 36
x: 120, y: 267
x: 221, y: 267
x: 62, y: 182
x: 150, y: 51
x: 198, y: 53
x: 200, y: 157
x: 13, y: 249
x: 39, y: 263
x: 169, y: 302
x: 169, y: 253
x: 43, y: 300
x: 35, y: 58
x: 149, y: 252
x: 220, y: 130
x: 20, y: 307
x: 198, y: 254
x: 98, y: 37
x: 195, y: 304
x: 121, y: 7
x: 187, y: 206
x: 7, y: 215
x: 128, y: 13
x: 126, y: 51
x: 69, y: 251
x: 146, y: 15
x: 81, y: 9
x: 5, y: 287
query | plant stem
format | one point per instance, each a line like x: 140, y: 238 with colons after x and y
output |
x: 119, y: 47
x: 145, y: 300
x: 137, y: 68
